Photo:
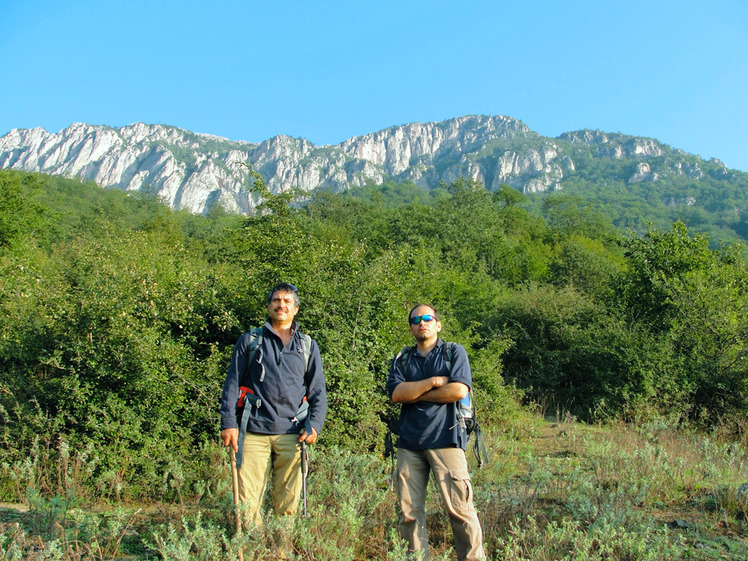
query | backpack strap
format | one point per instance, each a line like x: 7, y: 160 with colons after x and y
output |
x: 404, y: 356
x: 449, y: 352
x: 389, y: 452
x: 306, y: 346
x: 302, y: 414
x: 255, y: 342
x: 247, y: 399
x: 479, y: 447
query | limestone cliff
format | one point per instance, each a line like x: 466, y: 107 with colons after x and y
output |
x: 196, y: 171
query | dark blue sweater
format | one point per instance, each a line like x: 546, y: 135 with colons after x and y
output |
x: 283, y: 387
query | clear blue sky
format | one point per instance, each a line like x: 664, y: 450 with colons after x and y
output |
x: 329, y: 70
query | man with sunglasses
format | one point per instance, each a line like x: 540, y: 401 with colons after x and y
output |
x: 284, y: 370
x: 431, y: 440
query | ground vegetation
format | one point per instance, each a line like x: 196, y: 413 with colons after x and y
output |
x: 118, y: 317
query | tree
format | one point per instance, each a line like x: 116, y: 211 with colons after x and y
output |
x: 655, y: 259
x: 22, y: 217
x: 571, y: 214
x: 693, y: 300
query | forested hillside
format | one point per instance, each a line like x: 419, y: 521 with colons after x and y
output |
x: 635, y: 181
x: 118, y: 317
x: 635, y: 192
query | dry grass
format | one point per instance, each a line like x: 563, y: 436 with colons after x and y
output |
x: 553, y: 490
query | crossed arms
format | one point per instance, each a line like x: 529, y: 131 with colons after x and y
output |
x: 437, y: 389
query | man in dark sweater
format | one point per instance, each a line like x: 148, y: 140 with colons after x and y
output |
x: 429, y: 385
x: 285, y: 369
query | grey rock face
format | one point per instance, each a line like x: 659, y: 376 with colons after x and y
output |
x: 195, y: 171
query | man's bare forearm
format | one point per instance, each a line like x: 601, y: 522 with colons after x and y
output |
x: 411, y: 392
x: 449, y: 393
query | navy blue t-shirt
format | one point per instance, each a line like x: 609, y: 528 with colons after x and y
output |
x: 425, y: 425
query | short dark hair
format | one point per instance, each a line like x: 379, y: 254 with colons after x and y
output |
x: 284, y: 287
x: 413, y: 309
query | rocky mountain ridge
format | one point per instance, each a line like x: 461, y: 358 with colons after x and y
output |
x: 195, y: 171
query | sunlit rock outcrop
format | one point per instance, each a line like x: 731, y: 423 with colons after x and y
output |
x: 195, y: 171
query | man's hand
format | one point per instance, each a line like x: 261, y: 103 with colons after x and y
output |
x: 308, y: 438
x: 230, y: 437
x: 439, y: 381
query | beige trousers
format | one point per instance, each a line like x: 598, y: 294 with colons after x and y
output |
x: 450, y: 472
x: 265, y: 454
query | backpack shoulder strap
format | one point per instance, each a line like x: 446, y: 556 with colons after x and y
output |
x: 302, y: 414
x: 449, y: 353
x: 306, y: 346
x: 404, y: 356
x: 479, y: 447
x: 255, y: 341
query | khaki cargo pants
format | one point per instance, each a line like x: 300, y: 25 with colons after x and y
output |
x: 450, y: 471
x: 263, y: 454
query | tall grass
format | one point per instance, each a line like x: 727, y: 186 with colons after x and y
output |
x: 551, y: 491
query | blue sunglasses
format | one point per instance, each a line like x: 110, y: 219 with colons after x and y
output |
x: 415, y: 320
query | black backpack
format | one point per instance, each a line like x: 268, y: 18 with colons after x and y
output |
x: 465, y: 411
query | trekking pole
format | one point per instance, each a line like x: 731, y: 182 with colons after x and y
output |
x: 303, y: 415
x: 304, y: 472
x: 235, y: 479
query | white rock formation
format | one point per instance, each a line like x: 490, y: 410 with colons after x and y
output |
x: 195, y: 171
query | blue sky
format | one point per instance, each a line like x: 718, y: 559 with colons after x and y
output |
x: 329, y: 70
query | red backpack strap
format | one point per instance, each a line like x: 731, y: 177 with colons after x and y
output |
x: 246, y: 394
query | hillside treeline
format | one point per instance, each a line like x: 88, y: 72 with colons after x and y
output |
x: 118, y: 318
